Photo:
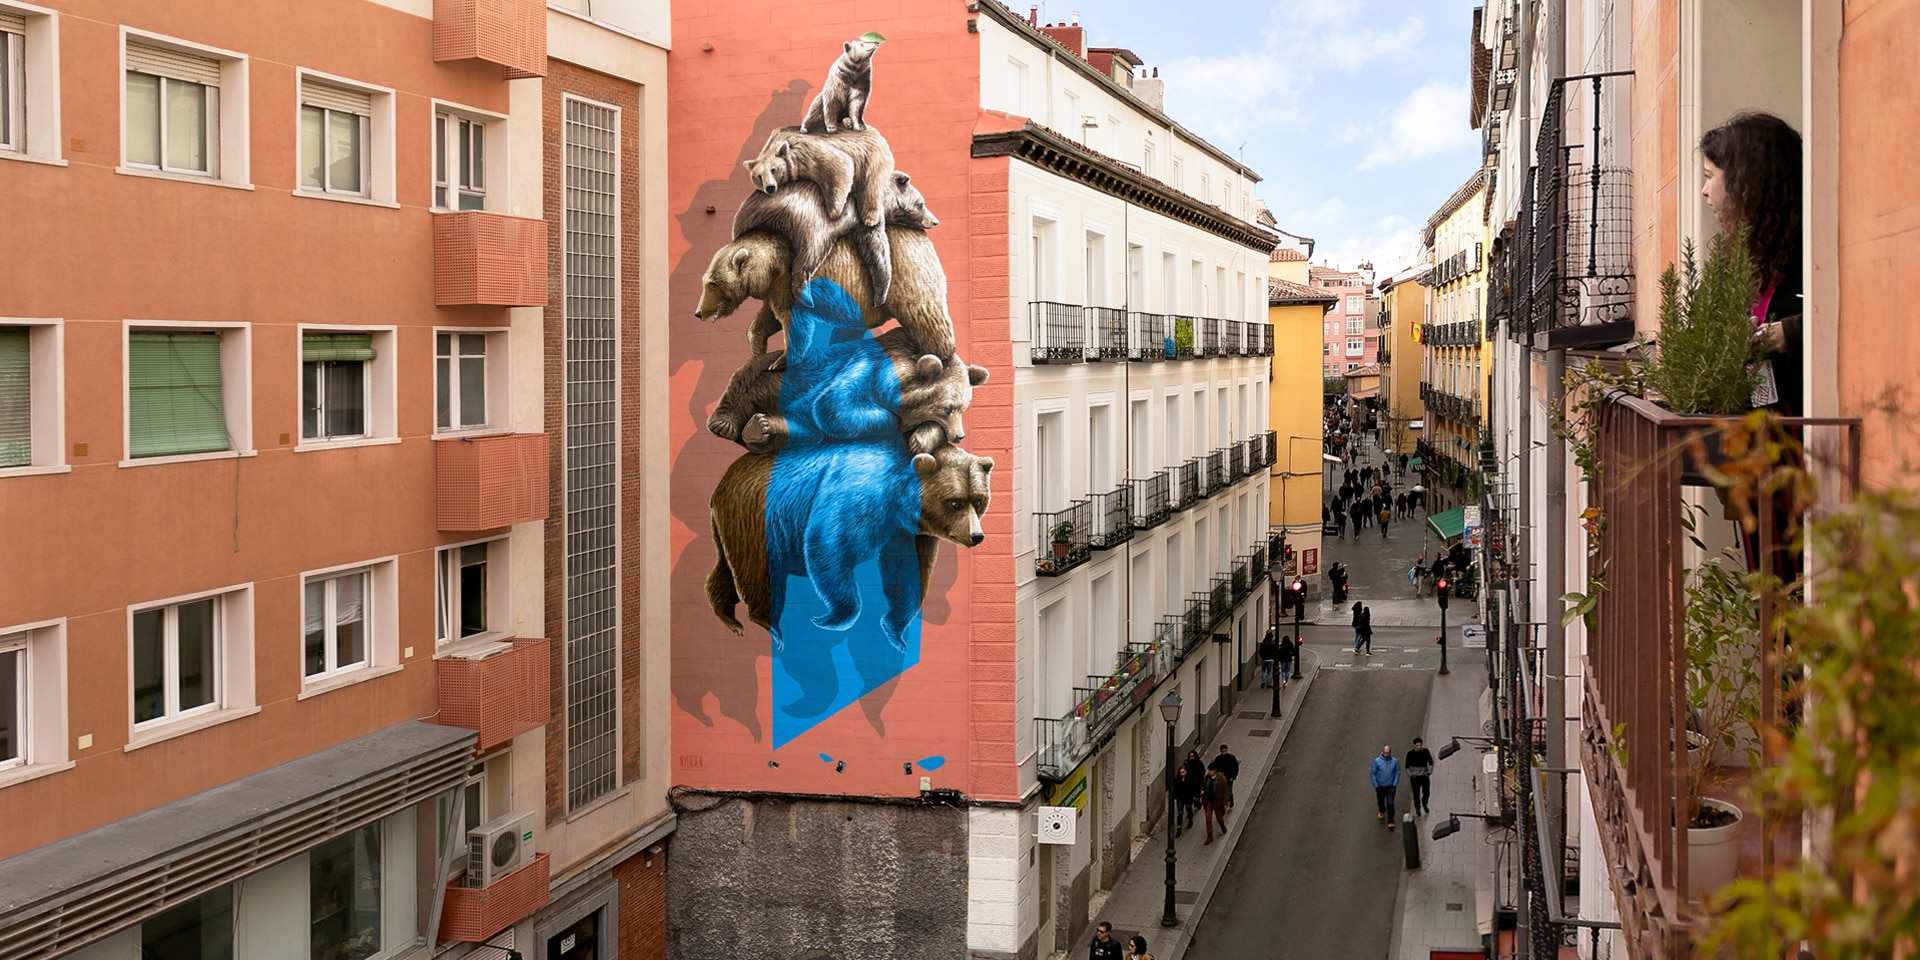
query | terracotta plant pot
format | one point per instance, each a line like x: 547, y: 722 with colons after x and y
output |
x: 1062, y: 549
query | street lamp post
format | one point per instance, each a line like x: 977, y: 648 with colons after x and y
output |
x: 1299, y: 590
x: 1440, y: 589
x: 1170, y: 711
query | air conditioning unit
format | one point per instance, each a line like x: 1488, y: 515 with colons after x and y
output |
x: 499, y: 847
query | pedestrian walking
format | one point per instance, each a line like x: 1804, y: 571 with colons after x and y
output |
x: 1289, y: 651
x: 1339, y: 521
x: 1357, y: 608
x: 1400, y: 505
x: 1196, y: 772
x: 1384, y: 774
x: 1186, y: 793
x: 1363, y: 630
x: 1228, y: 765
x: 1385, y: 517
x: 1214, y: 792
x: 1420, y: 776
x: 1419, y: 576
x: 1105, y: 947
x: 1137, y: 948
x: 1337, y: 578
x: 1269, y: 660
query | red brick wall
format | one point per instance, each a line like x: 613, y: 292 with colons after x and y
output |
x: 643, y: 904
x: 563, y: 79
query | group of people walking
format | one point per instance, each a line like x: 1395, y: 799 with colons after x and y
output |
x: 1208, y: 788
x: 1365, y: 499
x: 1277, y: 657
x: 1384, y: 773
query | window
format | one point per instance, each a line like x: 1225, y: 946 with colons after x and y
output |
x: 460, y: 381
x: 13, y: 81
x: 1355, y: 346
x: 334, y: 385
x: 16, y: 398
x: 1146, y: 159
x: 344, y: 888
x: 176, y: 660
x: 1178, y: 183
x: 469, y: 584
x: 459, y: 162
x: 335, y: 623
x: 177, y: 392
x: 172, y: 111
x: 1205, y: 187
x: 1356, y: 302
x: 1016, y: 87
x: 200, y: 928
x: 13, y: 700
x: 335, y: 127
x: 1355, y: 325
x: 1326, y: 349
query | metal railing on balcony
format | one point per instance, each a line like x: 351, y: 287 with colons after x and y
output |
x: 1147, y: 335
x: 1185, y: 489
x: 1063, y: 539
x: 1152, y: 500
x: 1237, y: 460
x: 1059, y: 332
x: 1098, y: 711
x: 1220, y: 601
x: 1236, y: 337
x: 1205, y: 340
x: 1109, y: 334
x: 1196, y: 624
x: 1637, y: 667
x: 1185, y: 329
x: 1242, y: 577
x: 1578, y: 221
x: 1112, y: 518
x: 1213, y: 475
x: 1273, y: 448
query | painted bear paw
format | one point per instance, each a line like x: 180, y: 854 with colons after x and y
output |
x: 837, y: 621
x: 896, y: 635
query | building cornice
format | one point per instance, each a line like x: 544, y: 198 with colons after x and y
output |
x: 1054, y: 153
x: 1005, y: 16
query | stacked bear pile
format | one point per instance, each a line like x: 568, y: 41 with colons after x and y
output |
x: 828, y: 526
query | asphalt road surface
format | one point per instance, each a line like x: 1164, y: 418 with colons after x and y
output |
x: 1315, y: 875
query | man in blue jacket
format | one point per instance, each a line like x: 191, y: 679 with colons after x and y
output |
x: 1385, y: 776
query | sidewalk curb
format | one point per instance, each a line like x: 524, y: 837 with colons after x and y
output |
x: 1232, y: 837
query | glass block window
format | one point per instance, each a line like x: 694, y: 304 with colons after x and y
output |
x: 590, y: 140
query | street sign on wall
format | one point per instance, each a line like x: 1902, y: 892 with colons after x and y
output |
x: 1473, y: 636
x: 1310, y: 561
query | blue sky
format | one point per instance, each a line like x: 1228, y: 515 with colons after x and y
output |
x: 1353, y: 111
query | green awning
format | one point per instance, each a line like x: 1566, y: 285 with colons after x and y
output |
x: 1448, y: 524
x: 1415, y: 463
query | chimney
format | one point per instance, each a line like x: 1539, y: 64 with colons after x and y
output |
x: 1071, y: 36
x: 1033, y: 16
x: 1151, y: 90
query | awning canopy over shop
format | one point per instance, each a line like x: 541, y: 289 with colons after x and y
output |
x: 1448, y: 524
x: 70, y: 892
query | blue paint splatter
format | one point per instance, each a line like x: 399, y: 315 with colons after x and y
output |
x: 825, y: 759
x: 933, y: 763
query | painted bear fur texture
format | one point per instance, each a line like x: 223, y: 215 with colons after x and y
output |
x: 832, y: 508
x: 835, y: 388
x: 756, y: 266
x: 851, y: 168
x: 798, y: 214
x: 844, y: 95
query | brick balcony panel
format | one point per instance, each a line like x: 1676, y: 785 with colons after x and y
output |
x: 511, y: 33
x: 473, y: 914
x: 489, y: 482
x: 501, y: 696
x: 489, y: 259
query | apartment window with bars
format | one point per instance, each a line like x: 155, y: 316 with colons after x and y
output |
x: 172, y: 111
x: 590, y: 210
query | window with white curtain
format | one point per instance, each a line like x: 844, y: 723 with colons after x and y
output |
x: 334, y: 624
x: 334, y: 385
x: 172, y: 111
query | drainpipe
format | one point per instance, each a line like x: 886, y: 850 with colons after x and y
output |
x: 1556, y: 571
x: 1523, y: 372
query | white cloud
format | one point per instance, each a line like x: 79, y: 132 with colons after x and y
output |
x: 1432, y: 120
x: 1225, y: 98
x: 1351, y: 49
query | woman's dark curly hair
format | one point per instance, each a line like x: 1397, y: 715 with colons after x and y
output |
x: 1759, y: 157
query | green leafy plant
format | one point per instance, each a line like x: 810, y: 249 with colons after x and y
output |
x: 1722, y: 628
x: 1061, y: 532
x: 1704, y: 361
x: 1183, y: 333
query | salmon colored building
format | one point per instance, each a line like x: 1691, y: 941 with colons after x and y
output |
x: 324, y: 468
x: 871, y: 779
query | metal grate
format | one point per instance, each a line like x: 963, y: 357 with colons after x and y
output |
x: 592, y: 448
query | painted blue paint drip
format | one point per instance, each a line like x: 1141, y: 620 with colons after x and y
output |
x: 825, y: 759
x: 933, y: 763
x: 843, y: 508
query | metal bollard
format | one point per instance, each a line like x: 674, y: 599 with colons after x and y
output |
x: 1410, y: 838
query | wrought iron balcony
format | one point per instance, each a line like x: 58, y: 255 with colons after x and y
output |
x: 1214, y: 478
x: 1098, y: 711
x: 1196, y: 624
x: 1273, y: 448
x: 1220, y: 601
x: 1185, y: 489
x: 1242, y: 578
x: 1237, y: 460
x: 1112, y: 518
x: 1185, y: 329
x: 1063, y: 539
x: 1152, y: 500
x: 1109, y: 326
x: 1236, y: 339
x: 1572, y: 275
x: 1147, y: 335
x: 1059, y: 332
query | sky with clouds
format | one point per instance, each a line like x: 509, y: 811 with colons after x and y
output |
x: 1353, y: 111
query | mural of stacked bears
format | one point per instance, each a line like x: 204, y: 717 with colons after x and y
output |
x: 829, y: 524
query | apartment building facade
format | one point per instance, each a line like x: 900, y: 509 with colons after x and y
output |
x: 1349, y: 332
x: 1101, y: 264
x: 1403, y: 309
x: 1457, y: 352
x: 282, y: 612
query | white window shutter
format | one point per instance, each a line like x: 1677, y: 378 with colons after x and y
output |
x: 11, y: 22
x: 316, y: 94
x: 172, y: 64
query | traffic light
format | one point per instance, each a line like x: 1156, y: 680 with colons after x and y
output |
x: 1296, y: 595
x: 1286, y: 553
x: 1440, y: 592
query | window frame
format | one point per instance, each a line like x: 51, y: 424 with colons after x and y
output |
x: 46, y: 396
x: 228, y: 125
x: 331, y: 667
x: 236, y: 388
x: 22, y: 722
x: 494, y: 147
x: 378, y: 380
x: 380, y: 622
x: 171, y: 712
x: 446, y: 597
x: 377, y: 141
x: 494, y: 374
x: 210, y: 134
x: 233, y: 667
x: 13, y: 91
x: 42, y: 707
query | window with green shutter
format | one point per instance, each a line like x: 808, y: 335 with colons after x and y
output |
x: 333, y: 385
x: 16, y: 398
x: 174, y: 404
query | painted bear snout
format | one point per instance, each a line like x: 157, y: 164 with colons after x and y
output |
x: 978, y: 537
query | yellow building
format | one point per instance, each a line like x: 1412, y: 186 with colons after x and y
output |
x: 1294, y: 413
x: 1457, y: 356
x: 1403, y: 307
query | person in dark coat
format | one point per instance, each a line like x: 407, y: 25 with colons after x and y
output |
x: 1269, y: 659
x: 1195, y: 772
x: 1104, y: 947
x: 1228, y: 764
x: 1289, y: 651
x: 1215, y: 796
x: 1362, y: 628
x: 1420, y: 775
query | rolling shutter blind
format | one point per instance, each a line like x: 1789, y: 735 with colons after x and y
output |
x: 173, y: 394
x: 316, y: 94
x: 173, y: 64
x: 336, y: 346
x: 12, y: 22
x: 16, y: 412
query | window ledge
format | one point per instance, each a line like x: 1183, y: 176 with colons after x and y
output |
x: 180, y: 728
x: 30, y: 158
x: 37, y: 470
x: 315, y: 688
x: 472, y: 433
x: 343, y: 198
x: 125, y: 170
x: 188, y: 458
x: 310, y: 446
x: 468, y: 643
x: 32, y: 771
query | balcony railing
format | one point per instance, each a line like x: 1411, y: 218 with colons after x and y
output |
x: 1236, y: 337
x: 1637, y: 669
x: 511, y: 33
x: 1273, y: 448
x: 1147, y: 335
x: 1059, y: 332
x: 500, y: 690
x: 1152, y: 500
x: 1185, y: 329
x: 488, y: 482
x: 1112, y: 518
x: 1185, y: 489
x: 1197, y: 625
x: 1064, y: 542
x: 1215, y: 477
x: 475, y: 914
x: 1109, y: 326
x: 1098, y: 711
x: 1237, y: 460
x: 489, y: 259
x: 1576, y: 226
